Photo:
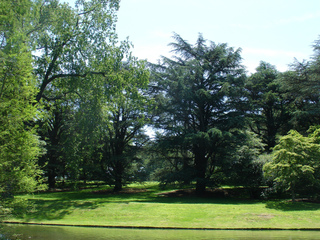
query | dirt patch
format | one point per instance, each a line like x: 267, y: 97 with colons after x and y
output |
x: 177, y: 193
x: 265, y: 216
x: 251, y: 217
x: 309, y: 200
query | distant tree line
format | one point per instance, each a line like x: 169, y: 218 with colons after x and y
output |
x: 76, y: 105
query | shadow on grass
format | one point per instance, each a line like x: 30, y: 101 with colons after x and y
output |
x: 38, y: 210
x: 292, y: 206
x: 57, y: 205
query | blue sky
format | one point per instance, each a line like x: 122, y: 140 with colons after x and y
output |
x: 275, y: 31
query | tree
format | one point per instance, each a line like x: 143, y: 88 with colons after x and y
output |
x: 170, y: 160
x: 246, y: 168
x: 77, y: 61
x: 268, y: 113
x: 73, y: 44
x: 302, y: 86
x: 55, y: 129
x: 19, y: 144
x: 127, y: 114
x: 201, y: 90
x: 295, y: 160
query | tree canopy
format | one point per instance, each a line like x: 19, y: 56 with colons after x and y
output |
x: 295, y: 161
x: 19, y: 145
x: 75, y: 104
x: 268, y: 108
x: 201, y: 89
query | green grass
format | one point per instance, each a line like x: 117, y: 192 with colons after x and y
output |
x: 149, y: 209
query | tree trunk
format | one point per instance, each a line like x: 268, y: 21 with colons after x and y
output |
x: 51, y: 178
x: 293, y: 193
x: 118, y: 174
x: 201, y: 167
x: 271, y: 129
x: 200, y: 187
x: 117, y: 185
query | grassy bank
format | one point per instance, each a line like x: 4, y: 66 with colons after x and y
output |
x: 147, y: 206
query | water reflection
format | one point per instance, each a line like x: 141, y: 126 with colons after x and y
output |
x: 25, y: 232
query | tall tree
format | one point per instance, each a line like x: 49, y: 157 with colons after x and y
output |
x: 55, y: 129
x: 202, y: 88
x: 268, y: 108
x: 72, y: 44
x: 127, y: 114
x: 19, y: 145
x: 77, y: 63
x: 302, y: 86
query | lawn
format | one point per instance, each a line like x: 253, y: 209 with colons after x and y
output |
x: 148, y: 206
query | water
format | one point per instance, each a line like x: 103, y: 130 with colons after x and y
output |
x: 25, y: 232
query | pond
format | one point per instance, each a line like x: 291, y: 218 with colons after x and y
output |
x: 25, y: 232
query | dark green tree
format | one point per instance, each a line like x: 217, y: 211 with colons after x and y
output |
x: 302, y: 86
x: 55, y: 131
x: 246, y: 168
x: 268, y: 113
x: 202, y: 89
x: 170, y: 161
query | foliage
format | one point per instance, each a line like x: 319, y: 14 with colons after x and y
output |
x: 169, y: 161
x: 200, y: 97
x: 301, y: 84
x: 268, y: 112
x: 19, y: 145
x: 246, y: 168
x: 126, y: 114
x: 73, y: 45
x: 55, y: 129
x: 295, y: 161
x: 66, y: 77
x: 79, y: 67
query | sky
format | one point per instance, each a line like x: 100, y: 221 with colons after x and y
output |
x: 274, y: 31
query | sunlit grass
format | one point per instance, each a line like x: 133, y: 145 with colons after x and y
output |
x: 146, y: 208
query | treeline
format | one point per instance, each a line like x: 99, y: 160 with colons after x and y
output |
x: 76, y: 105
